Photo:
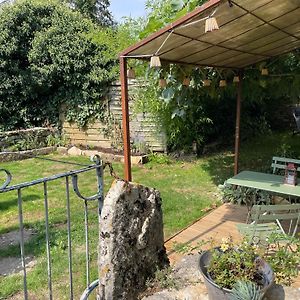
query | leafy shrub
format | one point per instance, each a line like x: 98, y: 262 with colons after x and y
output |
x: 284, y: 257
x: 244, y: 195
x: 51, y: 55
x: 158, y: 158
x: 56, y: 139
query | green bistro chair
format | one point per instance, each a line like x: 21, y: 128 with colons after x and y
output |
x: 271, y: 219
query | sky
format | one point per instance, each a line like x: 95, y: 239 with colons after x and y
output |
x: 133, y: 8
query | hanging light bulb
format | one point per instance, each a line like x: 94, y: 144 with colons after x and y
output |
x: 236, y: 79
x: 155, y: 61
x: 211, y: 24
x: 130, y: 73
x: 162, y: 82
x: 186, y: 81
x: 206, y: 82
x: 264, y: 72
x: 222, y: 83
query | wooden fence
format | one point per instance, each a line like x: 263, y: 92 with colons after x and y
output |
x: 143, y: 131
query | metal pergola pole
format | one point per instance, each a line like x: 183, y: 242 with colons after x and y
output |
x: 125, y: 118
x: 237, y: 124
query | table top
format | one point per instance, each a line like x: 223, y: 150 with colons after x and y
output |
x: 266, y: 182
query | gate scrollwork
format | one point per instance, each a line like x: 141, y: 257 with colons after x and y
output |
x: 7, y: 179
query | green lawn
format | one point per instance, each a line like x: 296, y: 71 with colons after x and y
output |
x: 187, y: 188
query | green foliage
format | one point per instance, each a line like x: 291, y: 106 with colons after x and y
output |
x: 163, y: 279
x: 284, y: 257
x: 162, y: 13
x: 28, y: 142
x: 56, y: 139
x: 35, y: 140
x: 245, y: 290
x: 187, y: 248
x: 178, y: 110
x: 231, y: 263
x: 285, y: 150
x: 244, y: 195
x: 157, y: 158
x: 49, y: 56
x: 204, y: 114
x: 96, y: 10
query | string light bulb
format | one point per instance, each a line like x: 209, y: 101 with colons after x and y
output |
x: 206, y: 82
x: 264, y: 72
x: 162, y: 82
x: 236, y: 79
x: 186, y: 81
x: 155, y: 62
x: 222, y: 83
x: 211, y: 24
x: 130, y: 73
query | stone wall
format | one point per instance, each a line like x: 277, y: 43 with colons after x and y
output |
x: 10, y: 138
x: 20, y: 155
x: 131, y: 241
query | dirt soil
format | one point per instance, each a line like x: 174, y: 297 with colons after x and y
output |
x: 12, y: 238
x: 12, y: 265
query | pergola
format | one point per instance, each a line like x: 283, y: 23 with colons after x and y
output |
x: 249, y: 32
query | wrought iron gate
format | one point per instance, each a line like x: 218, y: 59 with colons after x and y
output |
x: 73, y: 175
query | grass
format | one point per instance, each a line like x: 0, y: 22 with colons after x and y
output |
x: 187, y: 189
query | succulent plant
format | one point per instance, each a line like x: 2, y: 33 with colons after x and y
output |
x: 245, y: 290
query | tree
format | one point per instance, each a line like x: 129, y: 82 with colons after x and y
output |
x: 97, y: 10
x: 49, y: 58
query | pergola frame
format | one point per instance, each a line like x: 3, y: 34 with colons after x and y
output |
x: 260, y: 35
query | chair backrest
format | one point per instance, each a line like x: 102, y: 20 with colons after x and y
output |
x: 280, y: 163
x: 287, y: 216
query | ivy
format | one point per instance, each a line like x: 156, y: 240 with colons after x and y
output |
x: 51, y: 56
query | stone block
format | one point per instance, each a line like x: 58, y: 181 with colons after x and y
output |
x: 62, y: 150
x: 131, y: 241
x: 74, y: 151
x: 90, y: 153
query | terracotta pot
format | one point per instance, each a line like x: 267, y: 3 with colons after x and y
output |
x: 215, y: 292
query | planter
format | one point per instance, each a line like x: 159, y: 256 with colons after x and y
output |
x: 215, y: 292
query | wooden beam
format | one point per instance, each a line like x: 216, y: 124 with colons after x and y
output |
x: 237, y: 126
x: 125, y: 119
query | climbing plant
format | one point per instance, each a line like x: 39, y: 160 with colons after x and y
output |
x: 51, y: 56
x: 200, y: 114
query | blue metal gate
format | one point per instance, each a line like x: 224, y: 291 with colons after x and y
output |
x: 71, y: 179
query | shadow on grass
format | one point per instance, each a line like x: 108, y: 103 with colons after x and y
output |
x: 255, y: 155
x: 219, y: 167
x: 13, y: 201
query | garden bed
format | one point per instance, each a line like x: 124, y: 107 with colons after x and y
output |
x: 106, y: 154
x: 7, y: 156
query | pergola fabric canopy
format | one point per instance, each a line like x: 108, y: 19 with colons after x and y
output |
x: 249, y: 31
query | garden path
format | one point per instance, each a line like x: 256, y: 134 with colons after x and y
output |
x: 217, y: 224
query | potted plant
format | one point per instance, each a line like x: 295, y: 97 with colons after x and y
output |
x: 223, y: 267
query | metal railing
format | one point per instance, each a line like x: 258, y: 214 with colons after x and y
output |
x: 98, y: 166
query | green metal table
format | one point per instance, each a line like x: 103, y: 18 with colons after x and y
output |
x: 267, y: 182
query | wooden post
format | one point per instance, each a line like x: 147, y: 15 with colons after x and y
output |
x: 125, y: 119
x: 238, y: 122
